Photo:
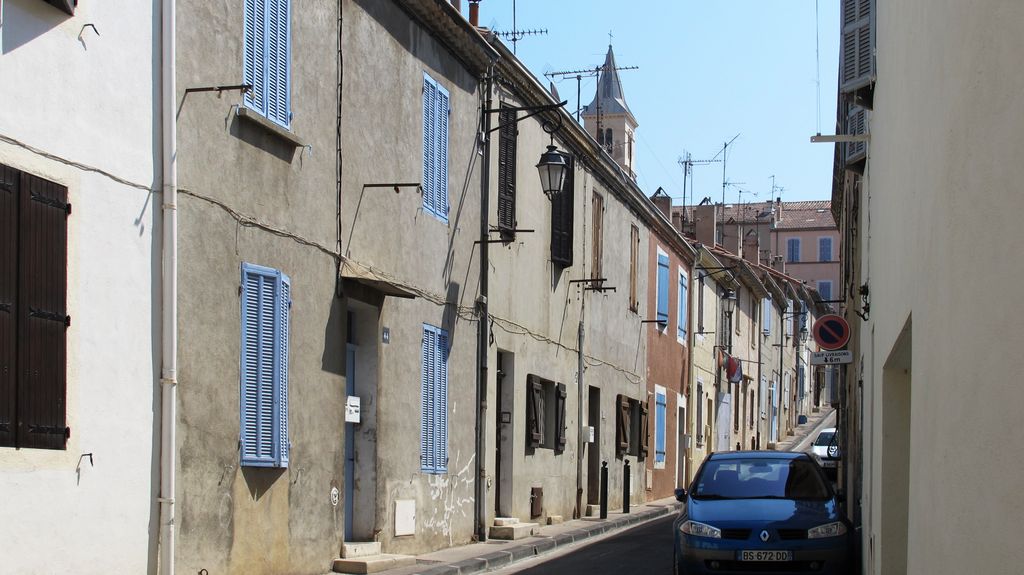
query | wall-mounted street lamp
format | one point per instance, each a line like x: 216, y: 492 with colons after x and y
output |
x: 552, y: 168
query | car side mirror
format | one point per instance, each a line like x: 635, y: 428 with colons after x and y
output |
x: 680, y: 494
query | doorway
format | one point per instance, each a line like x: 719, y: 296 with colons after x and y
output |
x: 594, y: 448
x: 504, y: 432
x: 681, y: 476
x: 897, y: 399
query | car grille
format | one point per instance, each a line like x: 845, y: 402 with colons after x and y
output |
x: 766, y: 567
x: 742, y: 534
x: 792, y: 534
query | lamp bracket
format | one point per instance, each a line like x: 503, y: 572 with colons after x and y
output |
x: 549, y: 127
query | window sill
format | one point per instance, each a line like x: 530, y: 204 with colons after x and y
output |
x: 256, y: 118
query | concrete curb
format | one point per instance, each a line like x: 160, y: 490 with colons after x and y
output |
x: 541, y: 544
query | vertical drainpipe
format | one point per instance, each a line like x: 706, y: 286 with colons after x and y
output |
x: 169, y: 305
x: 481, y: 327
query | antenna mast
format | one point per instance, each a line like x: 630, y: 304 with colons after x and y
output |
x: 515, y: 34
x: 588, y: 73
x: 687, y: 164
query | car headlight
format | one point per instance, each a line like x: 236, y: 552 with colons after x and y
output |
x: 834, y: 529
x: 700, y: 530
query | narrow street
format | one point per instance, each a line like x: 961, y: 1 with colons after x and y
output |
x: 645, y: 548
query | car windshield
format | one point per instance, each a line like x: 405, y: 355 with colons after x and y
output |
x: 824, y: 438
x: 760, y: 478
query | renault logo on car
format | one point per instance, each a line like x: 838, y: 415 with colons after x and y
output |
x: 764, y: 535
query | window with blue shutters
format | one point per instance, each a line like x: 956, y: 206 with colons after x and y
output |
x: 267, y: 60
x: 793, y: 250
x: 662, y: 291
x: 266, y: 307
x: 825, y: 249
x: 660, y: 411
x: 434, y: 401
x: 681, y: 308
x: 435, y: 148
x: 825, y: 289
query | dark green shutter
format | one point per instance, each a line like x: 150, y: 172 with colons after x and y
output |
x: 507, y: 170
x: 534, y: 412
x: 10, y: 180
x: 560, y: 415
x: 562, y: 219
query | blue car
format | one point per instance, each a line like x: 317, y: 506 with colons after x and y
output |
x: 763, y: 512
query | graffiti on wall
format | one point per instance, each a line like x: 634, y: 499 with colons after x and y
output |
x: 453, y: 497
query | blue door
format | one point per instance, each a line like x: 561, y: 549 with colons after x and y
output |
x: 350, y: 442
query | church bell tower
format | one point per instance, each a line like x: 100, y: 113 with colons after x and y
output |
x: 608, y: 119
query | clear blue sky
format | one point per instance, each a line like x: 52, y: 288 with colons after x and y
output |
x: 709, y: 69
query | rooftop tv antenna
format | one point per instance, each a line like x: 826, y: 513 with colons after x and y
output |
x: 587, y: 73
x: 687, y: 163
x: 724, y: 153
x: 515, y: 34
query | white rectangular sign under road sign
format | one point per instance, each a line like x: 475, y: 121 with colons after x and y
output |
x: 831, y: 357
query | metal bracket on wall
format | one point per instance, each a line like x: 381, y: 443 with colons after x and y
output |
x: 397, y: 187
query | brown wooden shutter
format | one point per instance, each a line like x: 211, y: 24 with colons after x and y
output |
x: 560, y: 417
x: 41, y: 313
x: 9, y: 185
x: 597, y: 248
x: 634, y: 256
x: 562, y: 218
x: 622, y: 425
x: 534, y: 412
x: 507, y: 135
x: 644, y: 428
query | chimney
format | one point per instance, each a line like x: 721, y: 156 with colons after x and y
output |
x: 731, y: 238
x: 751, y: 248
x: 474, y: 13
x: 677, y: 221
x: 706, y: 224
x: 778, y: 209
x: 663, y: 201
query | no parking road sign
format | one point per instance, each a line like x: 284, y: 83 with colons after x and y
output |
x: 831, y: 332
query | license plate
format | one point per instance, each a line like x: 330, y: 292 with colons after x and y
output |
x: 828, y: 464
x: 765, y: 556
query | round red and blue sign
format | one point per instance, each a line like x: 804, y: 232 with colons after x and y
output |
x: 831, y: 332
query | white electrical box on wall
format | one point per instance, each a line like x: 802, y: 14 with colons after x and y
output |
x: 405, y: 517
x: 352, y: 409
x: 588, y: 434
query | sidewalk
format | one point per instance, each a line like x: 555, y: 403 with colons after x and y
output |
x: 494, y: 554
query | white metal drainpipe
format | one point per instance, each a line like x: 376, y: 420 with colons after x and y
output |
x: 169, y: 305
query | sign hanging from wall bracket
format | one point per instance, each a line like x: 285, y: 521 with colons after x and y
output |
x: 831, y: 357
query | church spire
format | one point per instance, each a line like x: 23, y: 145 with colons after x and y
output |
x: 609, y: 95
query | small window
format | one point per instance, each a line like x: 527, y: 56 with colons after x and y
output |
x: 434, y: 400
x: 266, y: 308
x: 793, y: 250
x: 825, y: 249
x: 267, y: 59
x: 435, y: 148
x: 545, y: 414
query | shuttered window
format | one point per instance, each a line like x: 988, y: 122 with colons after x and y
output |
x: 266, y: 311
x: 700, y: 303
x: 562, y: 218
x: 643, y: 428
x: 660, y: 412
x: 766, y: 315
x: 507, y: 135
x: 699, y: 404
x: 598, y: 243
x: 267, y: 59
x: 434, y: 401
x: 622, y: 427
x: 825, y: 289
x: 681, y: 307
x: 560, y: 395
x: 793, y: 250
x: 535, y: 412
x: 33, y: 313
x: 857, y: 57
x: 435, y: 148
x: 825, y: 249
x: 634, y: 263
x: 662, y: 291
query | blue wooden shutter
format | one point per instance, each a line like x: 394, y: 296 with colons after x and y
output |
x: 441, y: 162
x: 426, y: 403
x: 660, y: 410
x: 278, y: 61
x: 793, y: 250
x: 284, y: 303
x: 429, y: 139
x: 681, y: 312
x: 264, y: 367
x: 255, y: 48
x: 441, y: 403
x: 825, y: 249
x: 662, y: 290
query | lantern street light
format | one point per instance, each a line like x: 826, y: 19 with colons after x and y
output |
x: 552, y: 168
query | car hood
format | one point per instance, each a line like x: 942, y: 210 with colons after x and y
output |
x: 737, y: 512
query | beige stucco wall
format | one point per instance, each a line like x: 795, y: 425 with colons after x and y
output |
x: 942, y: 194
x: 72, y: 95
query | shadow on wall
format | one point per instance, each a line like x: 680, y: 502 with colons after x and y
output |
x: 332, y: 360
x: 259, y: 480
x: 257, y: 136
x: 451, y: 316
x: 25, y: 21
